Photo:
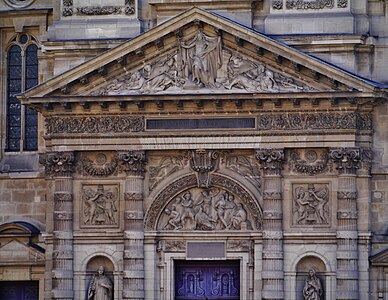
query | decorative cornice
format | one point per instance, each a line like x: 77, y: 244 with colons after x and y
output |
x: 348, y: 159
x: 134, y: 162
x: 58, y: 164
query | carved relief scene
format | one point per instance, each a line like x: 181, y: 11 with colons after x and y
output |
x: 202, y: 63
x: 311, y: 204
x: 205, y: 209
x: 100, y: 205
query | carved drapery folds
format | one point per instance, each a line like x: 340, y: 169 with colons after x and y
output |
x: 225, y: 205
x: 348, y: 159
x: 58, y: 164
x: 134, y: 162
x: 203, y: 163
x: 99, y: 205
x: 311, y: 204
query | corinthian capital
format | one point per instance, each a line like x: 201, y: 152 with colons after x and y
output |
x: 348, y: 159
x: 271, y: 160
x: 58, y: 164
x: 134, y: 162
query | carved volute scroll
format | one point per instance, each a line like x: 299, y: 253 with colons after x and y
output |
x: 224, y: 205
x: 203, y: 163
x: 58, y: 164
x: 348, y: 159
x: 134, y: 162
x: 271, y: 160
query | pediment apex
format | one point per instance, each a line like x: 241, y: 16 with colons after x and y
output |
x: 380, y: 259
x: 138, y: 54
x: 16, y: 250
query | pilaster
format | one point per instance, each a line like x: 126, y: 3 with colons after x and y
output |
x: 271, y: 161
x: 59, y: 166
x: 348, y: 160
x: 134, y: 162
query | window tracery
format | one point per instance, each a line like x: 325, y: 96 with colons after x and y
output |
x: 22, y: 74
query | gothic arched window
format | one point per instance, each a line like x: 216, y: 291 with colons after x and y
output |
x: 22, y: 74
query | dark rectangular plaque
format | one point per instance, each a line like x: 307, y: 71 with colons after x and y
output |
x: 205, y: 250
x: 201, y: 123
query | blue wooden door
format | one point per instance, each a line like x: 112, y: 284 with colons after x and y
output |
x: 19, y: 290
x: 207, y: 280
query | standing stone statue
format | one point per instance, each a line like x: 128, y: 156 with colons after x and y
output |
x: 312, y: 288
x: 100, y: 287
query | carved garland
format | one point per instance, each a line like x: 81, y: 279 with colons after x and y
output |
x: 156, y: 209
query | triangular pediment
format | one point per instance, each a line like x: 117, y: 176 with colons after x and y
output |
x: 380, y: 259
x: 18, y: 252
x: 198, y: 52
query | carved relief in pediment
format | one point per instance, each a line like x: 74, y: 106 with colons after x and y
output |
x: 202, y: 64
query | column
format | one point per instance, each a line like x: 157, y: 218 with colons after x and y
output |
x: 133, y: 284
x: 271, y: 161
x: 59, y: 166
x: 347, y: 160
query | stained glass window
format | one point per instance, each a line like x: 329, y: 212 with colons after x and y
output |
x: 22, y: 74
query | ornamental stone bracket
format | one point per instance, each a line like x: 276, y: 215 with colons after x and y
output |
x: 203, y: 163
x: 271, y: 160
x: 348, y: 159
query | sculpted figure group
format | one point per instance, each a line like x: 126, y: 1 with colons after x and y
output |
x: 200, y: 62
x: 210, y: 209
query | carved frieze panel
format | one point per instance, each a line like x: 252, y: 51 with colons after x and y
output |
x: 69, y: 9
x: 161, y: 168
x: 96, y: 124
x: 309, y: 161
x: 99, y: 205
x: 309, y: 4
x: 202, y: 64
x: 205, y: 209
x: 240, y: 245
x: 315, y: 121
x: 183, y: 205
x: 98, y: 165
x: 311, y: 204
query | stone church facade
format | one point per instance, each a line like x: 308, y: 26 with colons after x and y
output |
x: 194, y: 150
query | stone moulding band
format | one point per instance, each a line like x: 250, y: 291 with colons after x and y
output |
x: 264, y: 122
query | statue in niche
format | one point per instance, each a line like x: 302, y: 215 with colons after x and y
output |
x: 100, y: 288
x: 100, y: 206
x: 310, y: 205
x: 312, y: 289
x: 206, y: 209
x: 200, y: 58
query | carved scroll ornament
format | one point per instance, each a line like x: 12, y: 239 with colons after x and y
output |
x: 58, y: 163
x: 308, y: 4
x: 94, y: 125
x: 134, y: 162
x: 203, y: 163
x: 348, y: 159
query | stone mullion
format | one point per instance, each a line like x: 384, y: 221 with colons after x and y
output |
x: 347, y: 234
x: 273, y: 274
x: 59, y: 166
x: 133, y: 283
